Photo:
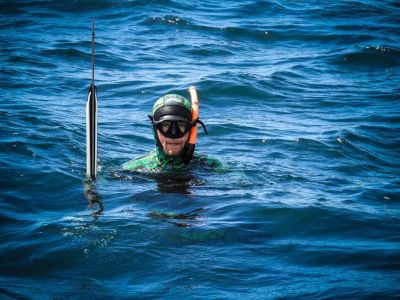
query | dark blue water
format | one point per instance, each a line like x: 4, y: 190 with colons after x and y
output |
x: 302, y: 102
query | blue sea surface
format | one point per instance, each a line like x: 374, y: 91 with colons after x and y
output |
x: 302, y: 104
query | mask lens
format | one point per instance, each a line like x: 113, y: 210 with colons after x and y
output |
x: 183, y: 127
x: 164, y: 126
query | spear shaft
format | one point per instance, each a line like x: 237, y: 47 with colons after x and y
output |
x: 91, y: 123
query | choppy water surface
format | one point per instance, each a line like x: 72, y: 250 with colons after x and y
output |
x: 302, y: 105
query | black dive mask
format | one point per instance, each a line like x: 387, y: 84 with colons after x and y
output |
x: 173, y: 129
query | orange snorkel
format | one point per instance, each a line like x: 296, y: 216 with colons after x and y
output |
x: 190, y: 146
x: 195, y: 114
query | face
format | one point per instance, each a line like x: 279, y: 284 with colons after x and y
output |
x: 173, y: 147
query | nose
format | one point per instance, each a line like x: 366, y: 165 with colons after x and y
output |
x: 174, y: 129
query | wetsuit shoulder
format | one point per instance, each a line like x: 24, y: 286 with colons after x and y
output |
x: 156, y: 162
x: 147, y: 162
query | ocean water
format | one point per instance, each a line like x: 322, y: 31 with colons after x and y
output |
x: 302, y: 103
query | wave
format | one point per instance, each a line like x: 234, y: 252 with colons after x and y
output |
x: 367, y: 150
x: 266, y: 33
x: 374, y: 57
x: 169, y: 20
x: 355, y: 8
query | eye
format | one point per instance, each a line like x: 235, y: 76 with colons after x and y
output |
x: 183, y: 126
x: 164, y: 126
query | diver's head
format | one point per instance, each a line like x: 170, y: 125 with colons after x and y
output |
x: 171, y: 119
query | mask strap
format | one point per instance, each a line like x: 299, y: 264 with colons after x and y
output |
x: 193, y: 123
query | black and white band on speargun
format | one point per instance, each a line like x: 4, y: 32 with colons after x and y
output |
x: 91, y: 123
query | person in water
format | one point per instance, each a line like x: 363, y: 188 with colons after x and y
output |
x: 174, y: 120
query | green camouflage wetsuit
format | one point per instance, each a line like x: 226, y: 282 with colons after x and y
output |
x: 158, y: 162
x: 169, y: 106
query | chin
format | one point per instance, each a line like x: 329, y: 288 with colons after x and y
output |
x: 174, y: 152
x: 173, y: 149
